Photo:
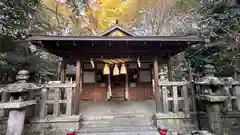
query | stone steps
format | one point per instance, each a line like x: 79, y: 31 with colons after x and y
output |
x: 116, y: 129
x: 123, y: 133
x: 113, y: 116
x: 117, y: 123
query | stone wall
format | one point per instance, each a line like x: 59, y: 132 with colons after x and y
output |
x: 46, y: 126
x: 230, y: 123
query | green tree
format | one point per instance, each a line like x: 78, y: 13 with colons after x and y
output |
x: 17, y: 16
x: 17, y: 55
x: 18, y: 19
x: 219, y: 23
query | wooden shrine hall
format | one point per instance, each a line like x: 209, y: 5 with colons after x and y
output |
x: 116, y: 64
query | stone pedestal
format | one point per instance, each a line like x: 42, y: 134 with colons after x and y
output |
x: 213, y: 107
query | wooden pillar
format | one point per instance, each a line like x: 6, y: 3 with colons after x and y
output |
x: 109, y: 93
x: 156, y: 86
x: 78, y: 88
x: 126, y: 85
x: 169, y: 66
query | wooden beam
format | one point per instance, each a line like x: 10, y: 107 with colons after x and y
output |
x: 156, y: 86
x: 85, y: 51
x: 77, y: 89
x: 133, y: 60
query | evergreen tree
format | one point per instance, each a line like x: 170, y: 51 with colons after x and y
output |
x: 220, y: 24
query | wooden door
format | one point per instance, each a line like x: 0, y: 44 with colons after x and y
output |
x: 118, y: 86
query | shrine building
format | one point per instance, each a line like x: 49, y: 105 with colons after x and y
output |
x: 116, y: 65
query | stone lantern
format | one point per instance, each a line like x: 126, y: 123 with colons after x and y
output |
x: 210, y: 85
x: 212, y: 93
x: 18, y: 96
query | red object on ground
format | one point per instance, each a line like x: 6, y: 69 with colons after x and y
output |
x: 71, y: 133
x: 163, y: 131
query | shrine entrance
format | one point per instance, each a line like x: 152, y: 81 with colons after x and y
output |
x: 118, y: 87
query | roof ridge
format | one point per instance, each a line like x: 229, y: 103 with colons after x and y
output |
x: 117, y: 26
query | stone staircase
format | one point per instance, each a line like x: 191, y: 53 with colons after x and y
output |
x: 130, y: 124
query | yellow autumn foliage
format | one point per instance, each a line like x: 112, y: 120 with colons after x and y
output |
x: 125, y: 11
x: 61, y: 14
x: 108, y: 11
x: 62, y: 10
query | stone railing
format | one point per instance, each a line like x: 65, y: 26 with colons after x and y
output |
x: 56, y: 104
x: 51, y: 96
x: 50, y: 102
x: 177, y: 99
x: 175, y: 96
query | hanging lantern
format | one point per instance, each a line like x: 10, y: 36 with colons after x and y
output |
x: 123, y: 69
x: 115, y: 70
x: 106, y: 70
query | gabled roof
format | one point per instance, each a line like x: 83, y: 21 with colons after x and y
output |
x: 117, y: 27
x: 114, y: 43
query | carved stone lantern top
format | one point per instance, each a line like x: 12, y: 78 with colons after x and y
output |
x: 21, y: 85
x: 209, y: 78
x: 21, y: 93
x: 23, y: 75
x: 211, y: 86
x: 209, y: 69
